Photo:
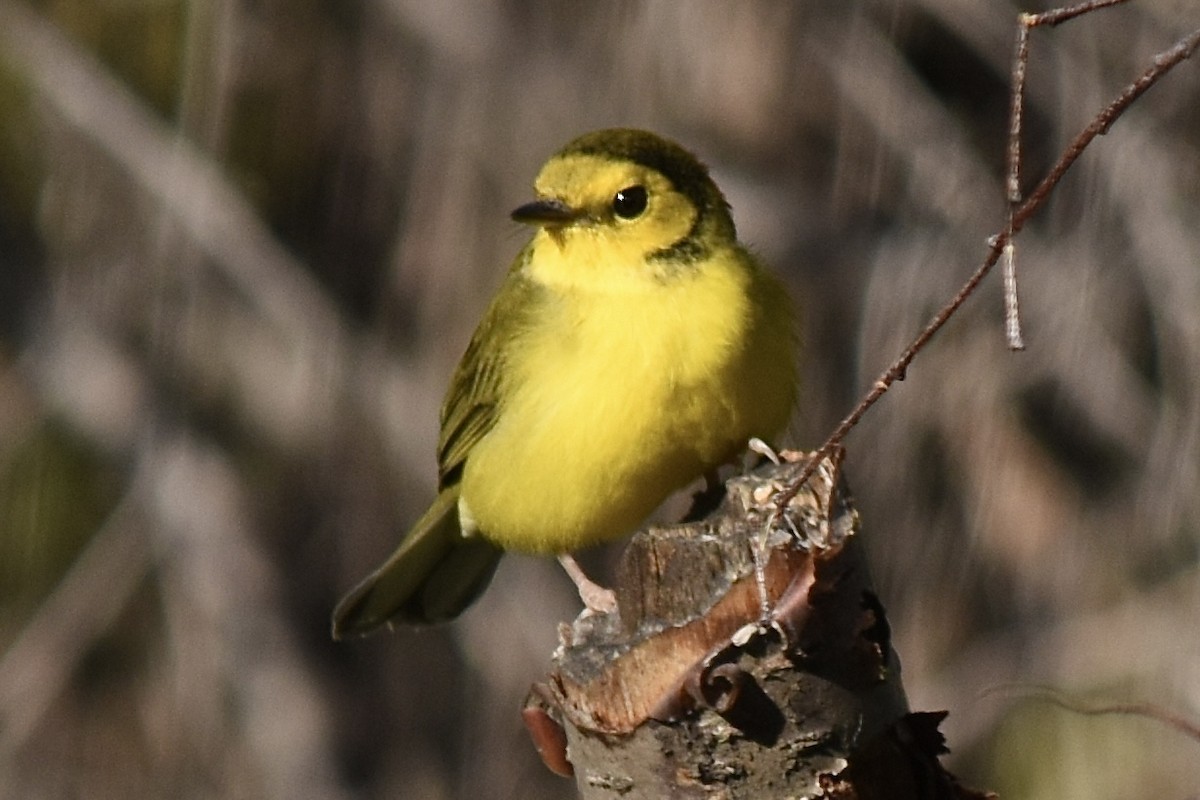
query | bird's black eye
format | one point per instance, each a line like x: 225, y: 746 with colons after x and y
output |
x: 629, y: 202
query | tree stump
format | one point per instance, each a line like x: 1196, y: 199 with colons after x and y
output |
x: 749, y: 657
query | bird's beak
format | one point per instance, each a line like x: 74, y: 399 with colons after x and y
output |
x: 547, y: 212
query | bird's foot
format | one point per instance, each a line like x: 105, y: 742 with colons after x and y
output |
x: 757, y: 445
x: 595, y: 597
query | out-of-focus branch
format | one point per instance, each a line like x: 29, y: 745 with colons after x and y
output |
x: 191, y: 189
x: 879, y: 86
x: 226, y: 629
x: 293, y: 362
x: 1078, y: 647
x: 36, y: 667
x: 226, y: 633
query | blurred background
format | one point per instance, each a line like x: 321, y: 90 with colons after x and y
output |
x: 242, y: 245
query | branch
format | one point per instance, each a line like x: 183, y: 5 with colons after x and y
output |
x: 1161, y: 65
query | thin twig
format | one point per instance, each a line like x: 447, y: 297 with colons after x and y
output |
x: 1057, y: 16
x: 1161, y: 64
x: 1012, y: 308
x: 1012, y: 312
x: 1047, y: 694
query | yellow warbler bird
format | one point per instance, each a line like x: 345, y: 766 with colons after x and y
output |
x: 634, y: 346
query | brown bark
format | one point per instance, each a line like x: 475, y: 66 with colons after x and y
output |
x: 749, y: 657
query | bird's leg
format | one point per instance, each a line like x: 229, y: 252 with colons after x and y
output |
x: 705, y: 501
x: 758, y: 542
x: 594, y: 596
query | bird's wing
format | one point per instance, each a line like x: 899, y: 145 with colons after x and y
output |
x: 474, y: 399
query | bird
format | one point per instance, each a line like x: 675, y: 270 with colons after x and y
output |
x: 634, y: 346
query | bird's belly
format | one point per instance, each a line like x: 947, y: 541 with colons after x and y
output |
x: 597, y: 436
x: 582, y: 475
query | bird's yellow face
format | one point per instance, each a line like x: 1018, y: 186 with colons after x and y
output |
x: 606, y: 223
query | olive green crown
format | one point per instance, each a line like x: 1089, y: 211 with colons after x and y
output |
x: 686, y: 172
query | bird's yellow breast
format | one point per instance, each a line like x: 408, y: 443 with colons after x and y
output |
x: 628, y: 386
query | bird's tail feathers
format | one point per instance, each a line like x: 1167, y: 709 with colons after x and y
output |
x: 432, y: 576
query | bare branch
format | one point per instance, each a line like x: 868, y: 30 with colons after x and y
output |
x: 1161, y: 65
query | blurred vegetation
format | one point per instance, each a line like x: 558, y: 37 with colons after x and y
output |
x: 243, y: 244
x: 57, y: 489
